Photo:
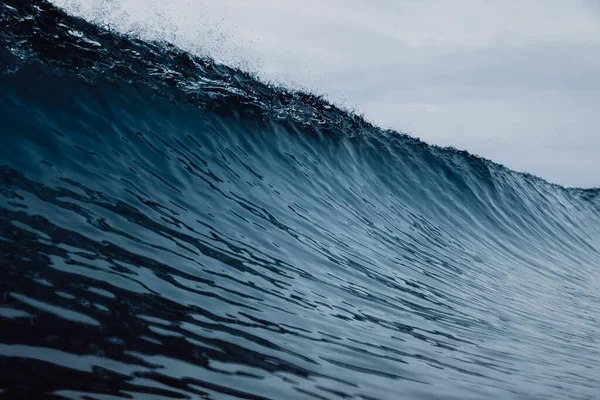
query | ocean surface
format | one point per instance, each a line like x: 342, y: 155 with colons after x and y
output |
x: 172, y: 228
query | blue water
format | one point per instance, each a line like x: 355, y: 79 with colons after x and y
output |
x: 173, y: 228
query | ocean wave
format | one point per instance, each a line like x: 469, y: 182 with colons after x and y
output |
x: 173, y: 228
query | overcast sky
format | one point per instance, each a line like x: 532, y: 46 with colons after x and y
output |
x: 514, y: 81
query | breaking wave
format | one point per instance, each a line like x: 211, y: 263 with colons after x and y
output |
x: 173, y: 228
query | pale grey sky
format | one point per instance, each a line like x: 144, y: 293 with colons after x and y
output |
x: 514, y: 81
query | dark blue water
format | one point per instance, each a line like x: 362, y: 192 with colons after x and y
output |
x: 173, y: 228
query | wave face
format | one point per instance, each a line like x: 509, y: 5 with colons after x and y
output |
x: 173, y: 228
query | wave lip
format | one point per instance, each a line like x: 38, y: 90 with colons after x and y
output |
x: 172, y: 227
